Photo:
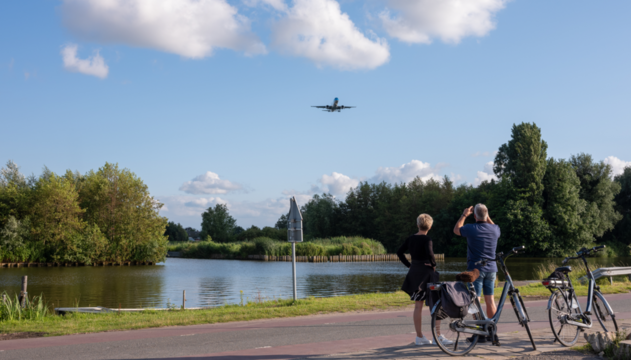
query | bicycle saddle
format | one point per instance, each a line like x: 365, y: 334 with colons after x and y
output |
x: 564, y: 269
x: 468, y: 276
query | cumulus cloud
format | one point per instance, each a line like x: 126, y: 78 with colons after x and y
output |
x: 319, y: 31
x: 421, y: 21
x: 275, y: 4
x: 407, y: 172
x: 617, y: 165
x: 210, y: 183
x: 190, y: 28
x: 485, y: 175
x: 94, y: 65
x: 337, y: 184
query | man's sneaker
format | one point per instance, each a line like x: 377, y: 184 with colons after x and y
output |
x: 481, y: 339
x: 443, y: 340
x: 422, y: 341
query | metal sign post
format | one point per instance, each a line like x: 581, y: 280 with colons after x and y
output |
x: 294, y: 235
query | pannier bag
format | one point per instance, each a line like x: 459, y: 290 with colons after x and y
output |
x: 556, y: 279
x: 456, y: 299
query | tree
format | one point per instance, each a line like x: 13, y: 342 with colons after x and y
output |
x: 15, y: 194
x: 218, y: 224
x: 282, y: 222
x: 57, y: 217
x: 119, y: 203
x: 320, y: 216
x: 621, y: 232
x: 175, y: 232
x: 599, y: 190
x: 522, y: 161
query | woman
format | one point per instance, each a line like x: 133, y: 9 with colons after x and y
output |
x: 422, y: 271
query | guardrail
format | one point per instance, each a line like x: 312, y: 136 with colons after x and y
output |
x: 610, y: 272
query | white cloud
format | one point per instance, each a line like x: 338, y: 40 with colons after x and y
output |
x: 486, y: 175
x: 617, y: 165
x: 421, y: 21
x: 337, y: 184
x: 94, y: 65
x: 210, y: 183
x: 407, y: 172
x: 319, y: 31
x: 190, y: 28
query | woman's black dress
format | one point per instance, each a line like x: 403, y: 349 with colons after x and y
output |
x: 422, y: 267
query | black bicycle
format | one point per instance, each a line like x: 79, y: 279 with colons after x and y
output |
x: 453, y: 337
x: 567, y: 318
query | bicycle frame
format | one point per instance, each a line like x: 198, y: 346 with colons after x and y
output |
x: 509, y: 289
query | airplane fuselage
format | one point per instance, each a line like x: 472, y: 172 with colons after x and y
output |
x: 334, y: 107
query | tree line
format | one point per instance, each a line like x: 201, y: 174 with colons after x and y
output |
x: 552, y: 206
x: 103, y: 215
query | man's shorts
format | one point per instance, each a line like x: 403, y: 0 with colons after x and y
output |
x: 486, y: 281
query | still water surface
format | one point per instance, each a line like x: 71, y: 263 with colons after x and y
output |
x: 216, y: 282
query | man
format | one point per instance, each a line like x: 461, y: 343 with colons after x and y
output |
x: 481, y: 244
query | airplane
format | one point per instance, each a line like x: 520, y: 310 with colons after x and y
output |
x: 334, y: 107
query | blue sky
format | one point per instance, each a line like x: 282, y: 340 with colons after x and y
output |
x: 209, y: 100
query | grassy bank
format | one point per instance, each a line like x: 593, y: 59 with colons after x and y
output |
x: 277, y: 308
x: 89, y: 323
x: 266, y: 246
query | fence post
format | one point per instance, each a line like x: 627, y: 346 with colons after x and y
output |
x: 184, y: 300
x: 24, y: 293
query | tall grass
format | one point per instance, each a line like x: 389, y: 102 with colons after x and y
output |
x: 10, y: 309
x: 578, y: 271
x: 266, y: 246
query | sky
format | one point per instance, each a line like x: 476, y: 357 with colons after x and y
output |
x: 208, y: 101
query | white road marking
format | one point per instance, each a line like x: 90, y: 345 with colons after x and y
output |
x: 263, y: 347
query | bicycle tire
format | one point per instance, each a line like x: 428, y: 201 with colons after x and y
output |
x: 606, y: 320
x: 446, y: 348
x: 565, y: 334
x: 523, y: 321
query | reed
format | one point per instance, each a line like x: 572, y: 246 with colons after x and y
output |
x: 34, y: 309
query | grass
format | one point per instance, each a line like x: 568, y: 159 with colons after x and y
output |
x: 266, y: 246
x: 90, y: 323
x: 11, y: 310
x: 252, y: 310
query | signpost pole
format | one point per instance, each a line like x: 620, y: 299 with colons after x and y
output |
x: 294, y: 235
x: 293, y: 267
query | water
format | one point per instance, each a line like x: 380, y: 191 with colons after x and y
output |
x: 216, y: 282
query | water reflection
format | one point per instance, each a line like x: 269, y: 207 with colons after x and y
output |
x: 216, y: 282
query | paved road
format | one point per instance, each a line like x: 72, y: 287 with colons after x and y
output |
x: 366, y: 335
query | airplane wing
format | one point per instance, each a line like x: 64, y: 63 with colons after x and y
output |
x: 346, y: 107
x: 321, y: 107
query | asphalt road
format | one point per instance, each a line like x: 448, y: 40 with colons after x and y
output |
x: 269, y: 339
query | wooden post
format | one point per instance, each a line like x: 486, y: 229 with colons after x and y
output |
x: 24, y: 293
x: 184, y: 300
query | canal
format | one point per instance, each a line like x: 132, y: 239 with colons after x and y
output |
x: 217, y: 282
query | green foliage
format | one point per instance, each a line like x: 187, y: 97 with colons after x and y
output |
x: 620, y: 233
x: 266, y: 246
x: 104, y: 215
x: 254, y: 232
x: 218, y: 223
x: 175, y: 232
x: 11, y: 310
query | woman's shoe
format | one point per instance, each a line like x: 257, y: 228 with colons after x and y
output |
x: 443, y: 340
x: 422, y: 341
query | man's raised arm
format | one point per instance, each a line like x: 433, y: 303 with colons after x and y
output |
x: 468, y: 211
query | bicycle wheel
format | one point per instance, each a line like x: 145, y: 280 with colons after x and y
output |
x: 600, y: 306
x: 560, y: 309
x: 449, y: 340
x: 522, y: 315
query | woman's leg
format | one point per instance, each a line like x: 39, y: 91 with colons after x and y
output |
x: 418, y: 308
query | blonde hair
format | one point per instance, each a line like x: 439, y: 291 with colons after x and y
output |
x: 481, y: 212
x: 424, y: 222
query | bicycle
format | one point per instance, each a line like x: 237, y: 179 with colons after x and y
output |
x: 566, y: 317
x: 475, y: 323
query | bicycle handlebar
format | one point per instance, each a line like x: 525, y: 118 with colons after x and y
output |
x: 501, y: 255
x: 583, y: 252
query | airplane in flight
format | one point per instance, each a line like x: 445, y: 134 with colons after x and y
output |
x: 334, y: 107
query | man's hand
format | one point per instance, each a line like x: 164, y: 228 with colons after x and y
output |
x: 468, y: 211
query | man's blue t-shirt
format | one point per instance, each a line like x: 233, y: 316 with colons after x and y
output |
x: 481, y: 244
